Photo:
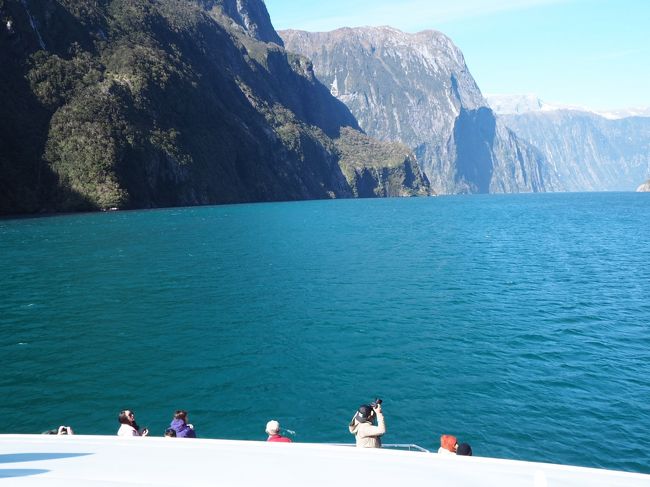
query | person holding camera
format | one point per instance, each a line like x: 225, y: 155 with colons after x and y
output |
x: 61, y: 430
x: 366, y: 433
x: 65, y: 430
x: 128, y: 426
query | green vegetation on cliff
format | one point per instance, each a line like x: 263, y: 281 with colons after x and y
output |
x: 141, y: 103
x: 375, y: 168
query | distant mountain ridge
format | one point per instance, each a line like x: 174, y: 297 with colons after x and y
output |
x: 590, y: 151
x: 504, y: 104
x: 140, y: 104
x: 416, y: 89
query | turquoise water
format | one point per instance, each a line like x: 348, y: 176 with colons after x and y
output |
x: 518, y: 323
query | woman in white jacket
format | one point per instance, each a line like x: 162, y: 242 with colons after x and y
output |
x: 128, y: 426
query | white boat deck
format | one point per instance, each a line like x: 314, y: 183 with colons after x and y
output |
x: 71, y: 461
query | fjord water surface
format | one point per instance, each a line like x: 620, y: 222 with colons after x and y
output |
x: 518, y: 323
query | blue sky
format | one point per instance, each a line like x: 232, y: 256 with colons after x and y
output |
x: 591, y: 53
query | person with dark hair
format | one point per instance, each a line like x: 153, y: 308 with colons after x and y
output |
x: 170, y: 433
x: 128, y: 426
x: 65, y: 430
x: 361, y: 426
x: 464, y: 449
x: 448, y: 445
x: 61, y: 430
x: 180, y: 425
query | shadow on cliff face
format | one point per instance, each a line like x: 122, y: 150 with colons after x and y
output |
x: 251, y: 15
x: 27, y: 183
x: 295, y: 85
x: 474, y: 133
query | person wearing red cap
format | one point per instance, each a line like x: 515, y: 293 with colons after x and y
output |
x: 448, y: 445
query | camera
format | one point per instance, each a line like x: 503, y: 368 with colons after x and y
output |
x: 375, y: 403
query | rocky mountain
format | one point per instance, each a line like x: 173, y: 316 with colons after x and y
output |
x: 416, y: 89
x: 513, y: 104
x: 644, y: 188
x: 589, y: 151
x: 251, y: 16
x: 139, y: 104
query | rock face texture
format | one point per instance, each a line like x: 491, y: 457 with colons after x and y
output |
x: 644, y: 188
x: 416, y: 89
x: 140, y: 104
x: 589, y: 152
x: 251, y: 16
x: 395, y: 174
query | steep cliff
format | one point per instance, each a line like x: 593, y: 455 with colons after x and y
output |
x: 395, y: 174
x: 137, y: 104
x: 589, y: 152
x: 251, y: 16
x: 416, y: 89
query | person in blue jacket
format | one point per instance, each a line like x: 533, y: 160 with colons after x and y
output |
x: 181, y: 426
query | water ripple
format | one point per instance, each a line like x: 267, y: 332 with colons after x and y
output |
x: 518, y: 323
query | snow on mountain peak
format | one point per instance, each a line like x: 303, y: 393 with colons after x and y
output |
x: 518, y: 104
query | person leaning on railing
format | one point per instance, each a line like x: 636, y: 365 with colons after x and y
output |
x: 368, y: 435
x: 181, y: 426
x: 448, y: 445
x: 273, y: 430
x: 61, y: 430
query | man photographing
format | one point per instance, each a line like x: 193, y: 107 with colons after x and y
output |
x: 366, y: 433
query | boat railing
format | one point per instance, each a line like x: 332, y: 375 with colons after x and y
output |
x: 394, y: 446
x: 405, y: 446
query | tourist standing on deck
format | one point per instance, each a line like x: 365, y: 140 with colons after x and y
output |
x: 128, y: 426
x: 180, y: 425
x: 366, y: 433
x: 273, y: 430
